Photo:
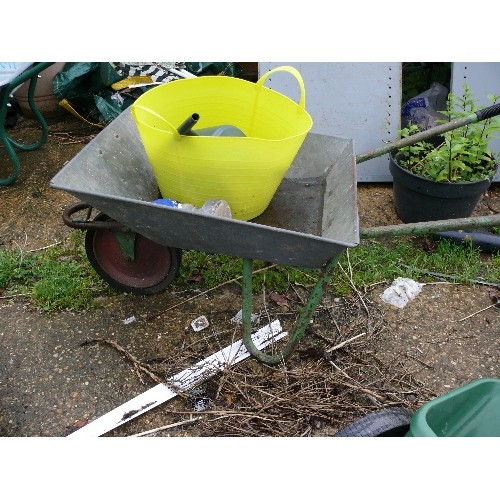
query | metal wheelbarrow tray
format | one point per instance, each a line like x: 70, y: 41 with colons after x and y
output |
x: 312, y: 218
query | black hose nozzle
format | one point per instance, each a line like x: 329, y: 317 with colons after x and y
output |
x: 188, y: 124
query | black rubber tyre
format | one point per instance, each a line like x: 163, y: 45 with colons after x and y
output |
x: 153, y: 269
x: 390, y: 422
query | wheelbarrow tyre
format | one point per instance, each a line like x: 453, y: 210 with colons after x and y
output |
x: 152, y: 271
x: 390, y: 422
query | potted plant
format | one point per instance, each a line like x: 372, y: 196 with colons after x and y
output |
x: 445, y: 176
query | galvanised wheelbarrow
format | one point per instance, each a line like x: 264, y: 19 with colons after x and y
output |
x: 135, y: 245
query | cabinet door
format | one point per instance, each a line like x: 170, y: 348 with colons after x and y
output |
x: 359, y: 101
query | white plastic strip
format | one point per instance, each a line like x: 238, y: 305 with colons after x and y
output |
x: 185, y: 380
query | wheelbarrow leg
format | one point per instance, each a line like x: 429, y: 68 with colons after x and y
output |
x: 302, y: 322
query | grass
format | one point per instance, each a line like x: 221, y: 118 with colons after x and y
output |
x: 371, y: 262
x: 209, y: 270
x: 375, y: 261
x: 61, y: 277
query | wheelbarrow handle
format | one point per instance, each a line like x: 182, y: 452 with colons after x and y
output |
x: 490, y: 112
x: 475, y: 117
x: 85, y: 222
x: 428, y: 227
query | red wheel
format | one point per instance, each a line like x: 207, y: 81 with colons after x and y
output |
x: 151, y: 269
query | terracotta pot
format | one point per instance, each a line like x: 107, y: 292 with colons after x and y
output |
x: 44, y: 97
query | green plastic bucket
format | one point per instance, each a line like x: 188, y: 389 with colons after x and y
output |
x: 469, y: 411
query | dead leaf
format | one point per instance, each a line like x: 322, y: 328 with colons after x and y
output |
x: 78, y: 425
x: 429, y: 245
x: 278, y: 299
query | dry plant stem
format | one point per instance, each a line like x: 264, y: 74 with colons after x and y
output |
x: 449, y: 277
x: 348, y: 341
x: 378, y: 397
x: 322, y: 337
x: 420, y: 361
x: 221, y: 414
x: 335, y: 322
x: 164, y: 427
x: 139, y: 366
x: 46, y: 247
x: 477, y: 312
x: 298, y: 295
x: 339, y: 369
x: 269, y: 321
x: 349, y: 276
x: 15, y: 295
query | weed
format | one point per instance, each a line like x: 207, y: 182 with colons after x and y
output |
x: 56, y: 278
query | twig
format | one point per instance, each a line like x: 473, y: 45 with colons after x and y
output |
x: 207, y: 291
x: 378, y: 397
x: 322, y: 337
x: 477, y: 312
x: 342, y: 344
x: 177, y: 424
x: 229, y: 413
x: 45, y: 248
x: 137, y: 364
x: 307, y: 431
x: 339, y: 369
x: 420, y: 361
x: 349, y: 277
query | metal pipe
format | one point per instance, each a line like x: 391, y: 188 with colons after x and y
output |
x: 186, y: 126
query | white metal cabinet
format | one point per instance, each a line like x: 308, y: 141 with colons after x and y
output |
x: 359, y: 100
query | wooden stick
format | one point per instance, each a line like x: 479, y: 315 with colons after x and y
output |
x: 177, y: 424
x: 378, y: 397
x: 137, y: 363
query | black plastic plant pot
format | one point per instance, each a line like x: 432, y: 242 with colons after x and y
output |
x: 417, y: 199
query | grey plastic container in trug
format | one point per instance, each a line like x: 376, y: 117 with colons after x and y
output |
x: 312, y: 217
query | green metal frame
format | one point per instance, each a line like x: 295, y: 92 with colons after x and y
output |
x: 10, y: 144
x: 126, y: 241
x: 302, y: 322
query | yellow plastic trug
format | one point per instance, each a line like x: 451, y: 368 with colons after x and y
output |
x: 244, y: 171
